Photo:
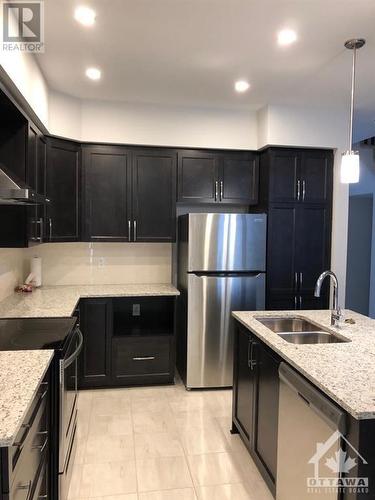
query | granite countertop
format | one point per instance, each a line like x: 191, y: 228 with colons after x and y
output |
x: 60, y: 301
x: 343, y: 371
x: 21, y: 372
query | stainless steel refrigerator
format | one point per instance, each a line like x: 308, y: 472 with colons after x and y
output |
x: 221, y: 268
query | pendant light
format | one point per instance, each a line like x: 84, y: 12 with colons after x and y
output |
x: 350, y: 158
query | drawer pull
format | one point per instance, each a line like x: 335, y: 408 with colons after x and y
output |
x: 41, y: 447
x: 144, y: 358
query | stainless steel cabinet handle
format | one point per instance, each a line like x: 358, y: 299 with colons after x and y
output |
x: 216, y: 190
x: 143, y: 358
x: 295, y: 280
x: 298, y: 190
x: 300, y: 302
x: 50, y: 227
x: 252, y: 360
x: 41, y: 447
x: 303, y: 190
x: 295, y: 302
x: 300, y: 279
x: 248, y: 353
x: 221, y: 190
x: 135, y: 229
x: 129, y: 229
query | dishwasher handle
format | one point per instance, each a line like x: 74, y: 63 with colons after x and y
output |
x: 318, y: 402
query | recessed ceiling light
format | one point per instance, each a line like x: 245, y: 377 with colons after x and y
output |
x: 93, y: 73
x: 242, y: 85
x: 286, y: 37
x: 85, y: 16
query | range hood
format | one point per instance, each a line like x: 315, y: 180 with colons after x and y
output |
x: 15, y: 192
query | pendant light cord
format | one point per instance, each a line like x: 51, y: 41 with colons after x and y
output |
x: 352, y: 100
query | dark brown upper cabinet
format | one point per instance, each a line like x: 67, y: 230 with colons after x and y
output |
x: 129, y: 194
x: 297, y: 175
x: 239, y: 178
x: 217, y: 177
x: 198, y: 174
x: 63, y: 190
x: 106, y: 181
x: 154, y: 195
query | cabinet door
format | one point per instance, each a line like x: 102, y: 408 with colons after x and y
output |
x: 106, y: 184
x: 281, y: 252
x: 265, y: 443
x: 35, y: 221
x: 313, y: 246
x: 95, y: 358
x: 282, y: 302
x: 62, y: 188
x: 198, y: 177
x: 284, y: 172
x: 316, y: 176
x: 244, y: 383
x: 154, y: 195
x: 239, y: 178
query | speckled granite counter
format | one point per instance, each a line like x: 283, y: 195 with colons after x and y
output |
x: 344, y: 371
x: 21, y: 372
x: 60, y: 301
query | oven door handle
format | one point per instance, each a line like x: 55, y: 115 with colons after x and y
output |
x: 68, y: 361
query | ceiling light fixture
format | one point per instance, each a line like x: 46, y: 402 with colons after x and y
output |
x: 242, y: 86
x: 93, y: 73
x: 286, y: 37
x: 350, y: 159
x: 85, y: 16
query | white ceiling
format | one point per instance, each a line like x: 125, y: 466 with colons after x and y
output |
x: 190, y: 52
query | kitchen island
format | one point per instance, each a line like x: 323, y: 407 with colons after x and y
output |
x: 344, y: 373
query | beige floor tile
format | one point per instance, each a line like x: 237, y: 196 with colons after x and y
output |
x: 197, y: 441
x: 196, y: 419
x: 148, y: 422
x: 110, y: 406
x: 162, y: 474
x: 130, y: 496
x: 150, y: 404
x: 75, y: 482
x: 160, y: 444
x: 80, y: 450
x: 236, y: 491
x: 190, y: 403
x: 214, y: 468
x: 111, y: 425
x: 101, y: 449
x: 179, y: 494
x: 115, y: 478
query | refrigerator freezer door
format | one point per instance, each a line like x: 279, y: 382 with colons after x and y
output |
x: 211, y: 299
x: 227, y: 242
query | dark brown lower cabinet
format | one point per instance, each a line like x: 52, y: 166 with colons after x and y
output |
x: 127, y: 341
x: 95, y: 358
x: 255, y: 401
x: 26, y: 464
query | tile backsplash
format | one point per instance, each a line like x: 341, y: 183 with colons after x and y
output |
x: 12, y: 270
x: 103, y: 263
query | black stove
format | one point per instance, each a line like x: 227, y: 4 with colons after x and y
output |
x: 35, y: 333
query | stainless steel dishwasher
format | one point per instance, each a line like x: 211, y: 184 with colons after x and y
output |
x: 307, y: 438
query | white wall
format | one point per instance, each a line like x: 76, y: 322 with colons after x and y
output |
x: 104, y: 263
x: 105, y: 121
x: 23, y: 69
x: 64, y: 115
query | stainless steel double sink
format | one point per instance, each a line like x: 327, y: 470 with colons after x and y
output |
x: 300, y: 331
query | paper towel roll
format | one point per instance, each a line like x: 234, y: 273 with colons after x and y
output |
x: 36, y: 270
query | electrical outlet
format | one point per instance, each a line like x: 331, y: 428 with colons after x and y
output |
x: 136, y: 309
x: 101, y: 262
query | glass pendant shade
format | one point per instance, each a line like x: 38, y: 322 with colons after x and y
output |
x: 350, y: 167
